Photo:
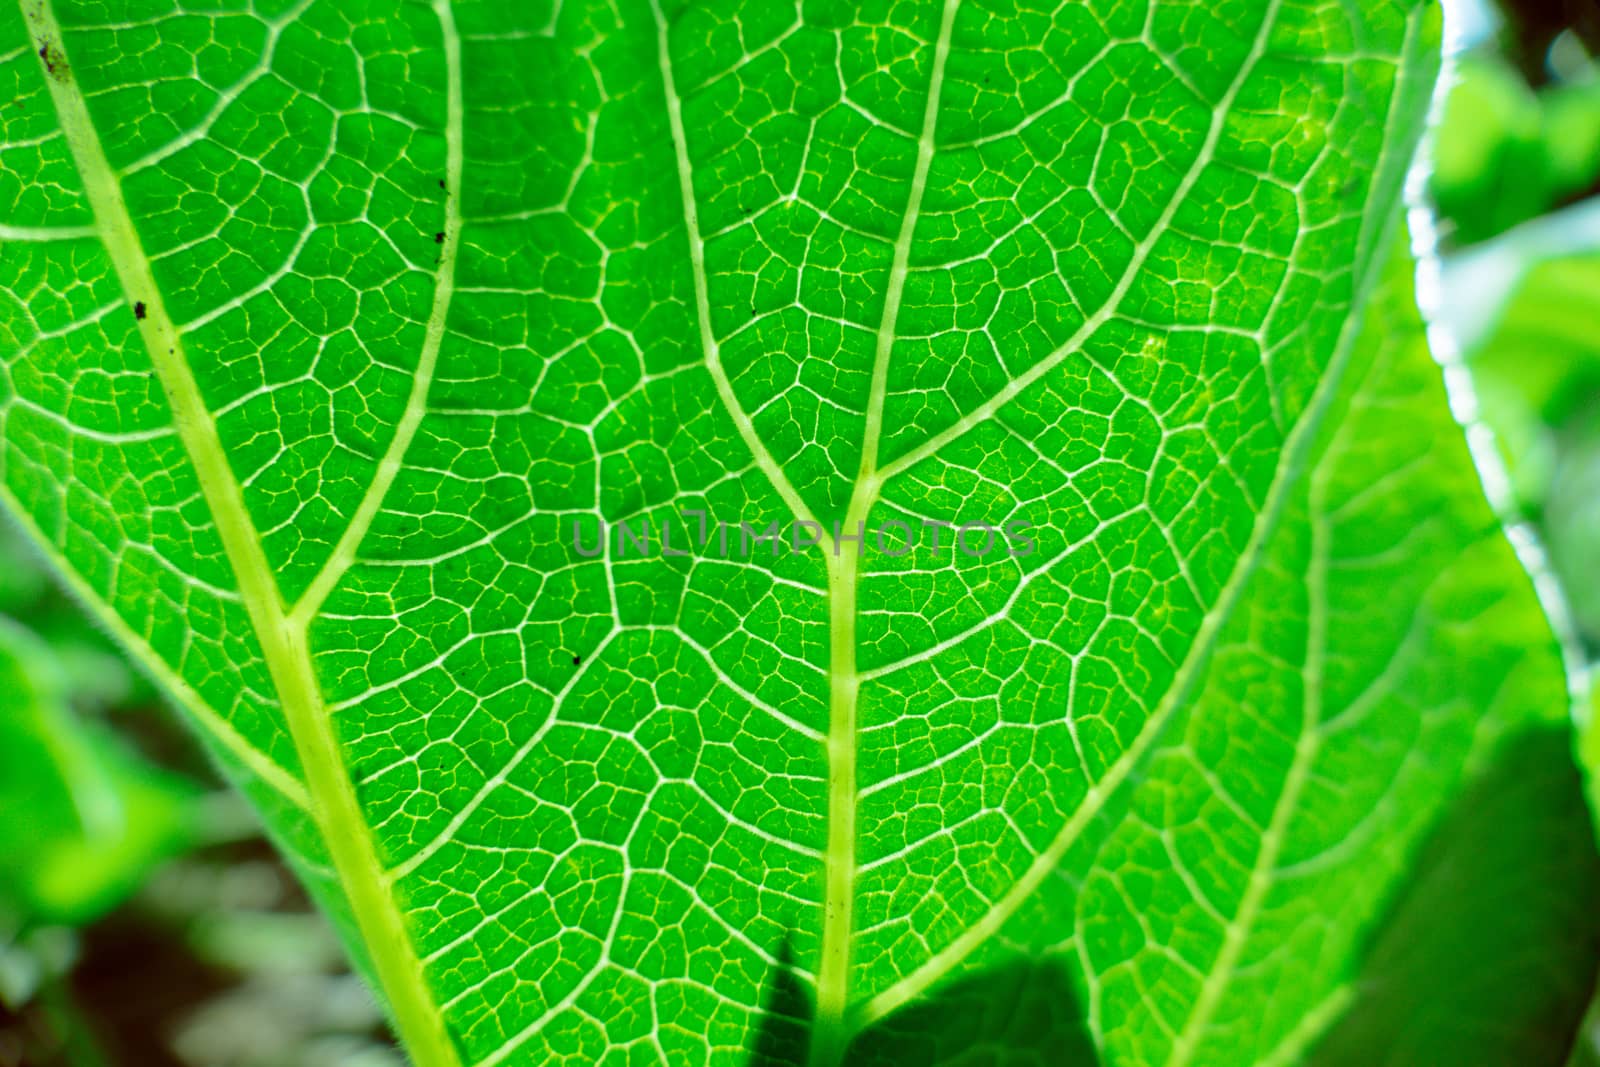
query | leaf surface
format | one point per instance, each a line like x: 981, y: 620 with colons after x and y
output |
x: 335, y: 331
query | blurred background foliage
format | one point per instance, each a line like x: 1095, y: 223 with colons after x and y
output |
x: 144, y: 922
x: 1516, y: 189
x: 143, y: 919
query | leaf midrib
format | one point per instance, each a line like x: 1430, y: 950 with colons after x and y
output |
x: 829, y: 1032
x: 282, y: 637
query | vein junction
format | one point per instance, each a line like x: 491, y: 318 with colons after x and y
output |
x: 283, y: 639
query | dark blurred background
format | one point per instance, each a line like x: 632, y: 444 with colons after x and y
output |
x: 144, y: 921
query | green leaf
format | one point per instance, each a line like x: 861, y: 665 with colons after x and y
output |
x: 335, y: 331
x: 1538, y: 364
x: 1506, y: 153
x: 81, y: 820
x: 1534, y: 362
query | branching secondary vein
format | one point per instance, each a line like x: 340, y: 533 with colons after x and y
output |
x: 283, y: 640
x: 344, y: 553
x: 1100, y: 792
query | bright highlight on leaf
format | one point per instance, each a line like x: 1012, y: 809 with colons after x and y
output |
x: 335, y: 334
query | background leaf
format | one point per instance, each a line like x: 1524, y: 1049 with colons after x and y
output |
x: 81, y: 819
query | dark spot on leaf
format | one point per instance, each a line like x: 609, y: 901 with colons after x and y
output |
x: 55, y: 64
x: 441, y: 183
x: 138, y: 309
x: 438, y: 238
x: 576, y: 660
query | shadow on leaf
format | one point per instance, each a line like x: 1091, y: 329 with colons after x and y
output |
x: 1488, y: 954
x: 785, y: 1035
x: 1023, y: 1014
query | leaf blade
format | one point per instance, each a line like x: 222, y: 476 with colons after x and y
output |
x: 556, y: 786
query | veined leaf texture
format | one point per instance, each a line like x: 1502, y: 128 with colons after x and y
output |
x: 765, y: 532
